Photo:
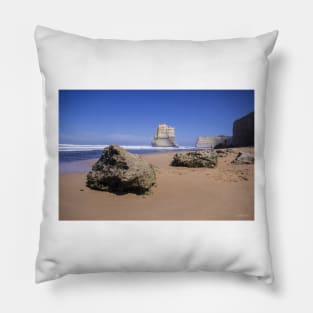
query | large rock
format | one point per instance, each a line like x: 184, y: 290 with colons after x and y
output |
x: 243, y: 131
x: 120, y: 171
x: 244, y: 158
x: 195, y: 159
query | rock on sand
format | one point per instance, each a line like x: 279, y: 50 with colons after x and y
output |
x: 195, y: 159
x: 119, y: 171
x: 244, y: 158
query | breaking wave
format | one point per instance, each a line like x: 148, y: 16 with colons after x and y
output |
x: 69, y: 154
x: 77, y: 148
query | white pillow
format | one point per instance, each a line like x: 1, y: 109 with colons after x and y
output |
x: 71, y: 62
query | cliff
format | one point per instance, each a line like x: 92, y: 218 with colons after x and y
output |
x: 243, y: 131
x: 164, y: 136
x: 212, y: 141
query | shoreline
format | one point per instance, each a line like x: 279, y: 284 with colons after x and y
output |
x: 86, y: 164
x: 222, y: 193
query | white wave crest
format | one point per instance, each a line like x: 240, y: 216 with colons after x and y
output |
x: 73, y: 148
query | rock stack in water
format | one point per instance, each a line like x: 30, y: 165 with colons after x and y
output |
x: 119, y: 171
x: 164, y: 136
x: 195, y: 159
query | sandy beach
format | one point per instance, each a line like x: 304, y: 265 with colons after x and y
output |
x: 222, y: 193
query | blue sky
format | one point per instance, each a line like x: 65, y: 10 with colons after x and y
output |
x: 130, y: 117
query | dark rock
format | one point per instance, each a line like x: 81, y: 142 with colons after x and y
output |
x: 221, y: 153
x: 119, y: 171
x: 244, y: 158
x: 221, y: 146
x: 195, y: 159
x: 243, y: 131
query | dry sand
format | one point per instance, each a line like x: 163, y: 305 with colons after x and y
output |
x: 223, y: 193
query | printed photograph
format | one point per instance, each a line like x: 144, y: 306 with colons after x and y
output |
x: 156, y: 155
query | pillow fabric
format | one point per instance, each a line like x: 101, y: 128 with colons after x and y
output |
x: 207, y: 216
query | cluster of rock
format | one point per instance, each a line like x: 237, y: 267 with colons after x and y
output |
x: 243, y: 135
x: 164, y: 136
x: 195, y: 159
x: 208, y: 158
x: 120, y: 171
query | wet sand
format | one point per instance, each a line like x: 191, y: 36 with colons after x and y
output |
x: 223, y: 193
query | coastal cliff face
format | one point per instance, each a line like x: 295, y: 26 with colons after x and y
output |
x: 164, y: 136
x: 243, y: 131
x: 212, y: 141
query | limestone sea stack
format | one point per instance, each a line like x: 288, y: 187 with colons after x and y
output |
x: 119, y: 171
x: 195, y: 159
x: 243, y: 131
x: 164, y: 136
x: 213, y: 141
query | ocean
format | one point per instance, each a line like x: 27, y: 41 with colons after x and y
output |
x: 71, y: 156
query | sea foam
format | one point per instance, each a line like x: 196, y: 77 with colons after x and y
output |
x: 73, y: 148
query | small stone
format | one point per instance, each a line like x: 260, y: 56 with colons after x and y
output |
x: 221, y: 153
x: 244, y: 158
